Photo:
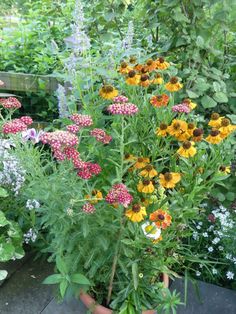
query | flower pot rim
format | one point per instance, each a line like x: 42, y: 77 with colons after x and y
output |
x: 96, y: 308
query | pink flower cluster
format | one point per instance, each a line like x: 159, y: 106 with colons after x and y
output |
x: 16, y: 125
x: 59, y: 140
x: 101, y: 136
x: 73, y: 128
x: 120, y: 99
x: 10, y: 103
x: 181, y: 108
x: 88, y: 208
x: 88, y: 170
x: 126, y: 109
x: 81, y: 120
x: 119, y: 194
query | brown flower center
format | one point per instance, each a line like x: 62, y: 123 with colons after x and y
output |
x: 191, y: 126
x: 149, y: 167
x: 149, y: 62
x: 158, y: 75
x: 168, y: 176
x: 174, y: 80
x: 161, y: 217
x: 186, y: 101
x: 163, y: 126
x: 127, y: 156
x: 123, y: 65
x: 198, y: 132
x: 132, y: 59
x: 186, y: 145
x: 144, y: 70
x: 108, y: 88
x: 176, y: 126
x: 161, y: 60
x: 225, y: 122
x: 222, y: 168
x: 140, y: 159
x: 94, y: 192
x: 215, y: 116
x: 136, y: 208
x: 131, y: 73
x: 214, y: 133
x: 146, y: 182
x: 144, y: 77
x: 159, y: 97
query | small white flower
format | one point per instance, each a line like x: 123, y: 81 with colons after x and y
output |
x: 198, y: 227
x: 32, y: 204
x: 228, y: 256
x: 151, y: 231
x: 195, y: 235
x: 210, y: 249
x: 198, y: 273
x: 140, y: 275
x: 214, y: 271
x: 205, y: 234
x: 234, y: 260
x: 215, y: 240
x: 70, y: 212
x: 221, y: 248
x: 201, y: 266
x: 230, y: 275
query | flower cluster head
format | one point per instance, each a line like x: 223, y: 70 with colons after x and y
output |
x: 73, y: 128
x: 101, y: 136
x: 31, y: 235
x: 119, y: 195
x: 81, y: 120
x: 10, y: 103
x: 181, y: 108
x: 16, y: 125
x: 88, y: 208
x: 32, y: 204
x: 126, y: 109
x: 120, y: 99
x: 59, y: 139
x: 89, y: 169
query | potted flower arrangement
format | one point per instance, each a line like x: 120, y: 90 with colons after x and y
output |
x: 118, y: 195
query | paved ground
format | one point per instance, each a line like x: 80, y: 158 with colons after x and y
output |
x: 23, y: 293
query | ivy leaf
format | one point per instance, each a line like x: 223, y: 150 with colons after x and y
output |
x: 53, y: 279
x: 220, y: 97
x: 208, y: 102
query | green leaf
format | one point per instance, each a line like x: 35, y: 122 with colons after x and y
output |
x: 3, y: 192
x: 208, y: 102
x: 135, y: 275
x: 3, y: 220
x: 63, y: 286
x: 232, y: 117
x: 53, y: 279
x: 220, y: 97
x: 80, y: 279
x: 200, y: 41
x: 61, y: 265
x: 192, y: 94
x: 230, y: 196
x: 3, y: 274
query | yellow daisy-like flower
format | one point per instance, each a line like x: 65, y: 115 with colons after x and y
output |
x: 226, y: 128
x: 225, y: 169
x: 145, y: 186
x: 169, y: 179
x: 108, y: 92
x: 144, y: 80
x: 150, y: 65
x: 96, y: 196
x: 124, y: 68
x: 149, y: 172
x: 133, y: 59
x: 173, y: 85
x: 161, y: 64
x: 214, y: 137
x: 187, y: 149
x: 157, y: 79
x: 133, y: 78
x: 215, y: 121
x: 162, y: 130
x: 141, y: 162
x: 197, y: 135
x: 177, y: 128
x: 136, y: 213
x: 130, y: 157
x: 189, y: 103
x: 161, y: 218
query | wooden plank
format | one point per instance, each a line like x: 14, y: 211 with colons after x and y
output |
x: 28, y: 82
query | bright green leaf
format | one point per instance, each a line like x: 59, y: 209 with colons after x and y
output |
x: 220, y: 97
x: 80, y: 279
x: 208, y: 102
x: 53, y: 279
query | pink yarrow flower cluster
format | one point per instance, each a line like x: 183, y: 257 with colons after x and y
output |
x: 16, y: 125
x: 73, y: 128
x: 119, y: 194
x: 88, y: 170
x: 81, y: 120
x: 10, y: 103
x: 101, y: 136
x: 120, y: 99
x: 126, y: 109
x: 88, y: 208
x: 181, y: 108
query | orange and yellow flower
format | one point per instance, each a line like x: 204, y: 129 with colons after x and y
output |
x: 161, y: 64
x: 197, y: 135
x: 173, y: 85
x: 136, y: 213
x: 148, y: 172
x: 144, y: 80
x: 130, y: 157
x: 159, y: 100
x: 157, y: 79
x: 187, y: 149
x: 108, y: 92
x: 177, y: 128
x: 133, y: 78
x: 124, y: 68
x: 169, y: 179
x: 162, y: 130
x: 150, y: 65
x: 214, y: 137
x: 215, y: 121
x: 226, y: 128
x: 141, y: 162
x: 225, y: 169
x: 96, y: 196
x: 145, y: 186
x: 189, y: 103
x: 161, y: 218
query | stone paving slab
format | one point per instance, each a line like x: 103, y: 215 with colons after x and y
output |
x: 67, y: 307
x: 24, y: 293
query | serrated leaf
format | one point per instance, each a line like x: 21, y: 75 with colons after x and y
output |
x: 53, y: 279
x: 80, y: 279
x: 208, y: 102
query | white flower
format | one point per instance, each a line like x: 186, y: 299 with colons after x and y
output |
x: 32, y: 204
x: 228, y: 256
x: 198, y: 273
x: 201, y: 266
x: 210, y: 249
x: 230, y: 275
x: 221, y: 248
x: 214, y: 271
x: 234, y: 260
x: 198, y: 227
x: 195, y: 235
x: 151, y: 231
x: 205, y: 234
x: 31, y: 235
x: 215, y: 240
x: 70, y: 212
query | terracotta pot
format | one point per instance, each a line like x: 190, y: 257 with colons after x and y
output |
x: 92, y: 305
